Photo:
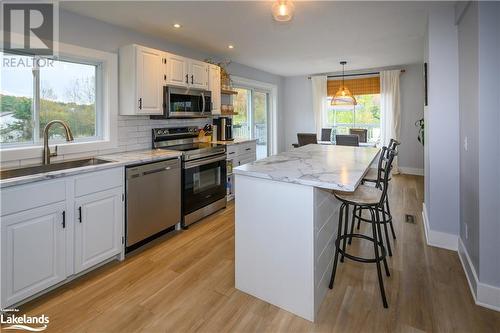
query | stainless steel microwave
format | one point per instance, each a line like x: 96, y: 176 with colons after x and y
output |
x: 185, y: 103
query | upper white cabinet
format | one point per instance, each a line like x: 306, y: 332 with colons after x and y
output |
x: 214, y: 87
x: 142, y: 76
x: 198, y: 74
x: 177, y: 70
x: 98, y: 227
x: 33, y: 251
x: 145, y: 71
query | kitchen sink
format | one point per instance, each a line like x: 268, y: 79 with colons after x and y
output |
x: 33, y: 170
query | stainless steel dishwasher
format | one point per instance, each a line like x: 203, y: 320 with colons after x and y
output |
x: 153, y: 199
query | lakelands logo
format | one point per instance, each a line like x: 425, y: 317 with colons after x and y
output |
x: 30, y: 27
x: 23, y: 322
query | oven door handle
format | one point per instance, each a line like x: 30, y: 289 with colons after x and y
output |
x: 194, y: 164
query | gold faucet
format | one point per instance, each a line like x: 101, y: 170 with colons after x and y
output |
x: 46, y: 149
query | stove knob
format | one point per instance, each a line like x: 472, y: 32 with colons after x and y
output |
x: 158, y: 132
x: 165, y: 131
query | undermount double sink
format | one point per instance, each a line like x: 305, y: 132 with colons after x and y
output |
x: 36, y: 169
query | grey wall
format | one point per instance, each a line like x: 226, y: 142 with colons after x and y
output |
x: 468, y: 30
x: 412, y: 109
x: 88, y: 32
x: 442, y: 122
x: 489, y: 162
x: 479, y: 104
x: 299, y: 117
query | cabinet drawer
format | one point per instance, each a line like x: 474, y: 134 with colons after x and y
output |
x: 246, y: 158
x: 247, y: 148
x: 98, y: 181
x: 38, y: 194
x: 232, y: 151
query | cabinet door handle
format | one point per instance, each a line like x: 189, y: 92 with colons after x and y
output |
x: 192, y: 79
x: 140, y: 103
x: 248, y: 149
x: 64, y: 219
x: 187, y: 78
x: 80, y: 214
x: 164, y: 77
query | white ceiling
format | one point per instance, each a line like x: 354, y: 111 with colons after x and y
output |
x: 366, y: 34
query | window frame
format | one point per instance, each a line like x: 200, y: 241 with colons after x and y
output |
x: 272, y: 107
x: 324, y: 117
x: 106, y: 84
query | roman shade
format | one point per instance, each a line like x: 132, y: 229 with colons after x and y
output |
x: 357, y: 86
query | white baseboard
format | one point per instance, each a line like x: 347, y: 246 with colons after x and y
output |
x: 411, y: 171
x: 484, y: 294
x: 438, y: 238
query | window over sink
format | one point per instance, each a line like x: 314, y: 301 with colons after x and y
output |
x: 79, y: 86
x: 31, y: 96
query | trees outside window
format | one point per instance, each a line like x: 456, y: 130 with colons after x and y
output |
x: 31, y: 97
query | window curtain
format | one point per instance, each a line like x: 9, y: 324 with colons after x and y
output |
x: 390, y: 108
x: 319, y: 93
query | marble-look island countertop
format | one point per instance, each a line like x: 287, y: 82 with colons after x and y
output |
x: 324, y: 166
x: 116, y: 160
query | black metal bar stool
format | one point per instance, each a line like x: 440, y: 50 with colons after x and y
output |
x: 375, y: 176
x: 371, y: 199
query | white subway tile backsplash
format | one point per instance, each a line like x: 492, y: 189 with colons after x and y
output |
x: 134, y: 133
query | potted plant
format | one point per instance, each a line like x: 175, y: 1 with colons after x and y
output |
x: 421, y: 127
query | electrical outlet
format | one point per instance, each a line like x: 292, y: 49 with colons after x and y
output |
x: 466, y: 143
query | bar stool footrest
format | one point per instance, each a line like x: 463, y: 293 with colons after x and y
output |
x: 356, y: 258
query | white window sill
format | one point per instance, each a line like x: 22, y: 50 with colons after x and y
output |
x: 23, y: 153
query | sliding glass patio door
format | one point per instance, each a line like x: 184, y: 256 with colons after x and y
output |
x: 252, y: 106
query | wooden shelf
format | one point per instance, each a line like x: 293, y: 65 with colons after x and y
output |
x: 228, y: 92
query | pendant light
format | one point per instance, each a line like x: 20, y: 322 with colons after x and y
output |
x: 343, y: 96
x: 283, y: 10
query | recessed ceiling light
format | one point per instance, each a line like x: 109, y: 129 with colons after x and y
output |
x: 177, y: 25
x: 230, y: 46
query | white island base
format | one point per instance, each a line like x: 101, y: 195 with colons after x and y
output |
x: 284, y: 243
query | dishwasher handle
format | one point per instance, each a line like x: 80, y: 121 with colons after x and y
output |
x: 151, y: 168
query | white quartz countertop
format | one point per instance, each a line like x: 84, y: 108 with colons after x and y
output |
x: 325, y: 166
x: 116, y: 160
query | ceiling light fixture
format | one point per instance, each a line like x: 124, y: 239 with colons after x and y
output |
x: 230, y: 46
x: 343, y: 96
x: 177, y: 25
x: 283, y: 10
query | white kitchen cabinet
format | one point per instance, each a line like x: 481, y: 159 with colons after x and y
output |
x: 214, y: 87
x: 198, y: 74
x: 239, y: 154
x: 33, y: 251
x: 142, y: 76
x: 177, y: 70
x: 43, y: 242
x: 98, y: 227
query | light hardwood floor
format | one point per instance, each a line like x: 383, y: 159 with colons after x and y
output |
x: 185, y: 282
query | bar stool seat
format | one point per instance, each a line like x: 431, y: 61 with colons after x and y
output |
x: 364, y: 195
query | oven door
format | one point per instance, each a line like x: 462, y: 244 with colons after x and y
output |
x: 204, y: 182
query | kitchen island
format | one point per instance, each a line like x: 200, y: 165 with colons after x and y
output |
x: 286, y: 222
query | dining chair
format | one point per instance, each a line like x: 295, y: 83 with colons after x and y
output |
x: 326, y: 134
x: 347, y: 140
x: 306, y: 139
x: 361, y: 132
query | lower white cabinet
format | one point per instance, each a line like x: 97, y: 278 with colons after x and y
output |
x: 33, y: 251
x: 44, y: 242
x: 98, y: 228
x: 239, y: 154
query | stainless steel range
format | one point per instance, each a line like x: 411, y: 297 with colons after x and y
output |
x: 203, y: 171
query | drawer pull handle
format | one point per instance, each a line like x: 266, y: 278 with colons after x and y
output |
x: 80, y: 214
x: 64, y: 219
x: 248, y: 149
